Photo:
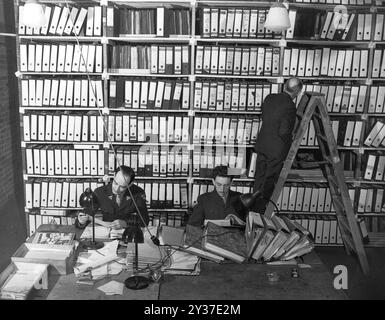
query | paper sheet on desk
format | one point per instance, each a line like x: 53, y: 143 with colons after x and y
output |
x: 112, y: 287
x: 99, y: 257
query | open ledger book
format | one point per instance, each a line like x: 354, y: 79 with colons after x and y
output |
x: 228, y: 221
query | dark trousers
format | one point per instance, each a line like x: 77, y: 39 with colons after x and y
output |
x: 266, y: 175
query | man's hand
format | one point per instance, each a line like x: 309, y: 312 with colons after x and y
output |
x: 83, y: 218
x: 118, y: 224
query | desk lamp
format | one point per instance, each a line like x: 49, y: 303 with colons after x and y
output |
x: 249, y: 199
x: 134, y: 233
x: 89, y: 202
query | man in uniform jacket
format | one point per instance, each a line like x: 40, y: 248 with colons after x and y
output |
x: 274, y: 139
x: 116, y: 204
x: 219, y: 203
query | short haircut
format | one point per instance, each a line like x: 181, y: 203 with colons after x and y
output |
x: 221, y: 171
x: 127, y: 172
x: 293, y: 85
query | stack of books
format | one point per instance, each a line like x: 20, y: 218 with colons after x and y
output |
x: 263, y: 239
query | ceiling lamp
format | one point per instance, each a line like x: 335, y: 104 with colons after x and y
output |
x: 277, y: 19
x: 33, y: 15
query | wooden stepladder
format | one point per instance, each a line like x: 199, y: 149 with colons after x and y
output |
x: 312, y: 107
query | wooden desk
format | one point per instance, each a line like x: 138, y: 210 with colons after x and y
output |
x: 233, y: 281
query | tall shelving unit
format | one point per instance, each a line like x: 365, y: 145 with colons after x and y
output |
x: 193, y: 40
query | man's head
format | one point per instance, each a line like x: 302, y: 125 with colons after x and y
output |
x: 221, y: 180
x: 124, y: 176
x: 293, y: 87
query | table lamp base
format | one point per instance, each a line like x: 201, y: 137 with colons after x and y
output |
x: 137, y: 282
x: 92, y: 245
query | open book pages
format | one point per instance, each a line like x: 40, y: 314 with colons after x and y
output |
x: 193, y: 244
x: 228, y: 243
x: 230, y: 220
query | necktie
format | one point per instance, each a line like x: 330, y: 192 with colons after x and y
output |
x: 118, y: 200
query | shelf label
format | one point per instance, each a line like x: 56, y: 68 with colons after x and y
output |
x: 23, y: 144
x: 191, y: 113
x: 280, y: 80
x: 106, y: 111
x: 106, y: 145
x: 361, y: 150
x: 190, y: 180
x: 18, y: 74
x: 22, y: 110
x: 192, y: 41
x: 104, y: 40
x: 356, y: 183
x: 282, y: 43
x: 371, y: 45
x: 368, y: 82
x: 25, y: 177
x: 104, y: 3
x: 191, y: 78
x: 190, y: 147
x: 364, y: 116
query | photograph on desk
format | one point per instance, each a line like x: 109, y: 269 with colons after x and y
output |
x: 192, y: 150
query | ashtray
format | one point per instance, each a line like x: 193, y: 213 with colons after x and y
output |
x: 272, y: 276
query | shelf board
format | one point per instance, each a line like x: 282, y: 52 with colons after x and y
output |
x: 164, y: 144
x: 221, y: 76
x: 235, y: 179
x: 145, y: 73
x: 54, y: 108
x: 167, y: 210
x: 161, y: 178
x: 143, y: 38
x: 228, y: 112
x: 60, y: 38
x: 329, y: 42
x: 66, y: 142
x: 62, y: 176
x: 331, y: 213
x: 150, y: 110
x: 239, y: 40
x: 207, y: 144
x: 60, y: 73
x: 338, y: 147
x: 328, y: 78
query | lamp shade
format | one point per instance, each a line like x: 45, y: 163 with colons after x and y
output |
x: 33, y: 15
x: 277, y: 19
x: 249, y: 199
x: 89, y: 200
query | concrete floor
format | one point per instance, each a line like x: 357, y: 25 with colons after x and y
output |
x: 12, y: 234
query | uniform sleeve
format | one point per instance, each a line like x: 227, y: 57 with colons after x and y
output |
x: 198, y: 216
x: 142, y: 206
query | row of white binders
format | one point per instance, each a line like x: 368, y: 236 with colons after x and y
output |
x: 64, y: 21
x: 148, y: 128
x: 204, y: 161
x: 166, y: 195
x: 63, y: 127
x: 145, y: 94
x: 238, y: 60
x: 307, y: 199
x: 152, y: 161
x: 240, y: 130
x: 51, y: 161
x: 324, y: 232
x: 231, y: 96
x: 36, y: 220
x: 59, y: 194
x: 52, y: 194
x: 375, y: 166
x: 346, y: 133
x: 234, y: 23
x: 327, y: 62
x: 370, y: 200
x: 61, y: 58
x: 376, y: 135
x: 61, y: 93
x: 352, y: 2
x: 341, y: 98
x: 154, y: 59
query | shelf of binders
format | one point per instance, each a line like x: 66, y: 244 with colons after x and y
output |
x: 143, y: 38
x: 149, y: 144
x: 258, y: 113
x: 149, y: 110
x: 38, y: 73
x: 221, y: 76
x: 61, y: 38
x: 141, y: 73
x: 80, y: 208
x: 55, y: 108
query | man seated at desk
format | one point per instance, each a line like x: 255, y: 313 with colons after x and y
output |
x: 219, y: 203
x: 116, y: 204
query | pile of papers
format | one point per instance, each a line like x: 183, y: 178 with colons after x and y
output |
x: 111, y: 288
x: 97, y: 264
x: 183, y: 263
